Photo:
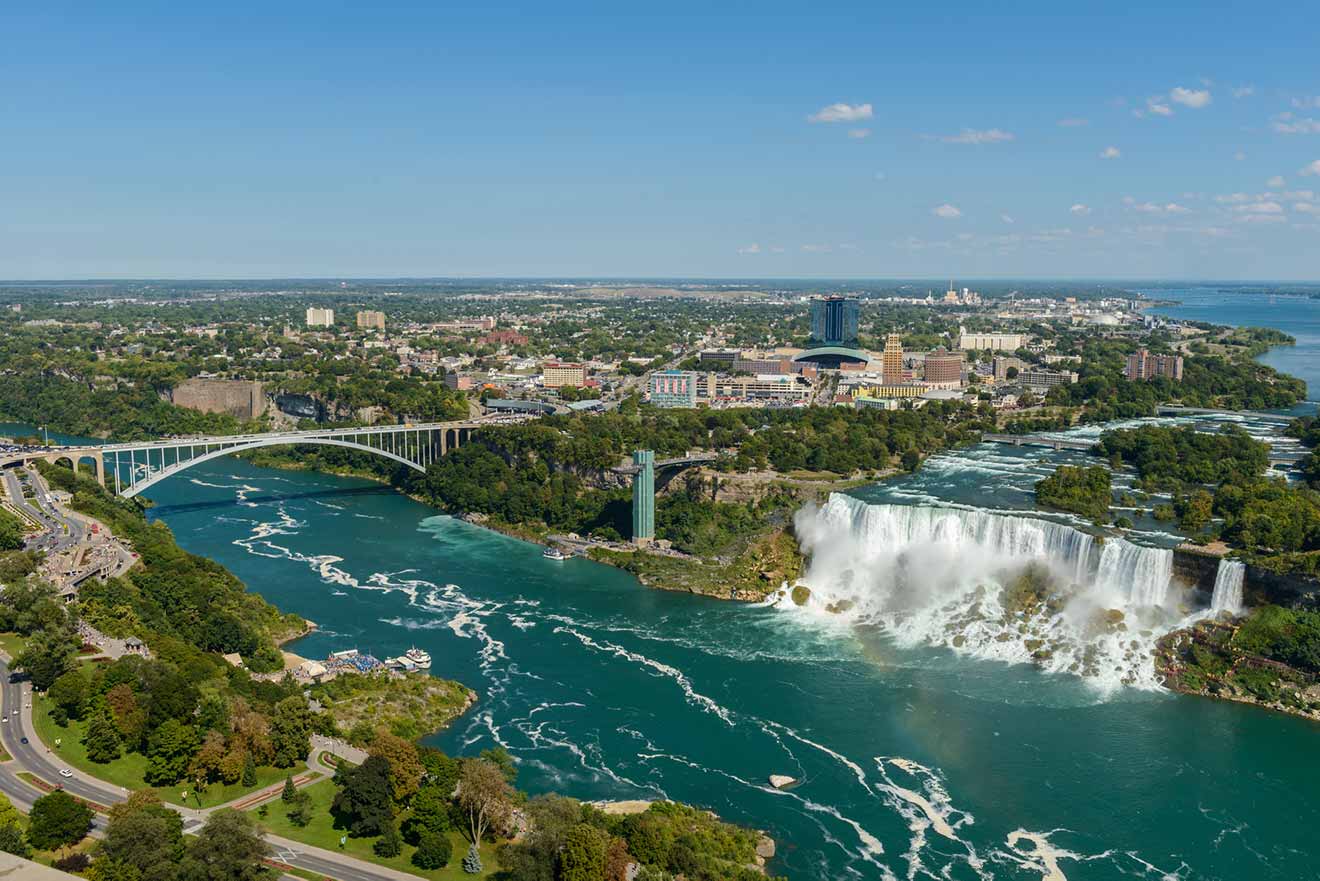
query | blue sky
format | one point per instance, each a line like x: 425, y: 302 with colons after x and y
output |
x: 749, y: 140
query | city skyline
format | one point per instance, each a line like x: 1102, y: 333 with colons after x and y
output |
x: 579, y: 142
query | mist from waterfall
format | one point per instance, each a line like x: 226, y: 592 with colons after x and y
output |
x: 1227, y: 596
x: 1002, y: 587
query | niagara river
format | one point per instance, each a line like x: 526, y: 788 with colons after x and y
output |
x: 916, y: 760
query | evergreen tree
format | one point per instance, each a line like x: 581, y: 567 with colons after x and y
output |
x: 249, y: 771
x: 102, y: 735
x: 290, y: 791
x: 472, y: 861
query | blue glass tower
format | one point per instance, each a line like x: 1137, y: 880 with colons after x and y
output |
x: 834, y: 320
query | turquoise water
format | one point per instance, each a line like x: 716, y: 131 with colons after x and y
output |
x: 605, y: 689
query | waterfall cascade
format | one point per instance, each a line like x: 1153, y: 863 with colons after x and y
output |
x: 1227, y: 596
x: 1018, y: 589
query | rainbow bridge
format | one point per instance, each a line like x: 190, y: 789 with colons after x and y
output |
x: 134, y: 467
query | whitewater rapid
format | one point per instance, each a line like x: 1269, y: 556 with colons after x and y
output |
x: 961, y: 579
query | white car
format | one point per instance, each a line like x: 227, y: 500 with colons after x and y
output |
x: 65, y: 772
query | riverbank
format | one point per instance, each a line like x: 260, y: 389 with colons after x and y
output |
x: 1208, y: 659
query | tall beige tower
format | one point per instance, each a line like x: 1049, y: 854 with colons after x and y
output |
x: 891, y: 363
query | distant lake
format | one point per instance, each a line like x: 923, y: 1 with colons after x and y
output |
x: 1294, y: 315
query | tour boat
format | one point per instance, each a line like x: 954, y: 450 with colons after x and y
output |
x: 554, y: 553
x: 418, y: 657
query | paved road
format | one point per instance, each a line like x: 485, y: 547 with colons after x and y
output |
x: 33, y: 757
x: 62, y: 532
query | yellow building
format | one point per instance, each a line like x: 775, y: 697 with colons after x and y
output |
x: 896, y: 390
x: 559, y: 374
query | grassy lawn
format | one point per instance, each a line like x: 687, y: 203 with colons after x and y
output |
x: 12, y: 643
x: 321, y: 833
x: 125, y: 771
x: 128, y: 770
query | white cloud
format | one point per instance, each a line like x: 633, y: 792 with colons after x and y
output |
x: 753, y: 248
x: 1110, y: 153
x: 1007, y: 219
x: 1157, y: 106
x: 946, y: 211
x: 1307, y: 103
x: 1262, y: 218
x: 1239, y: 156
x: 1074, y: 122
x: 1289, y: 124
x: 1313, y: 168
x: 978, y: 136
x: 1276, y: 182
x: 1306, y: 208
x: 1156, y: 208
x: 842, y: 113
x: 1194, y: 98
x: 1244, y: 91
x: 1079, y: 209
x: 817, y: 249
x: 859, y: 133
x: 1266, y: 207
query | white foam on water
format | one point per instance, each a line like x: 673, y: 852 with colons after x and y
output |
x: 662, y: 669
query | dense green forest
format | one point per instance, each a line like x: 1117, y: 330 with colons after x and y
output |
x: 1220, y: 491
x: 1084, y: 491
x: 1167, y: 457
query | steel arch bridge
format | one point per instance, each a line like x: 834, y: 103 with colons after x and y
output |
x: 135, y: 467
